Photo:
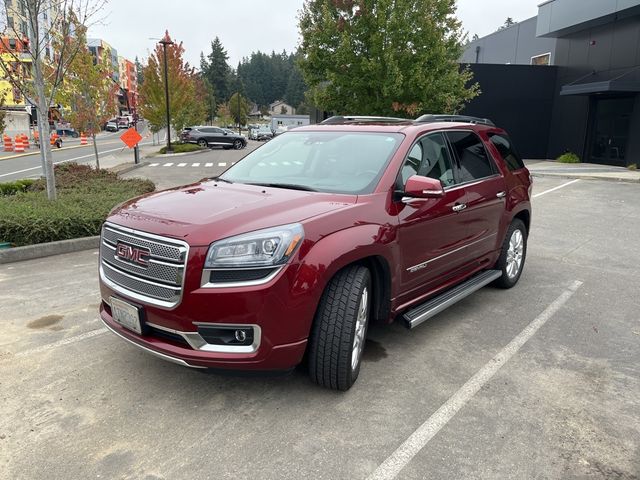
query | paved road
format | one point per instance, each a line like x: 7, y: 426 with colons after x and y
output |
x: 29, y: 166
x: 77, y: 402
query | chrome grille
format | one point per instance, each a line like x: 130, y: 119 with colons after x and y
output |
x: 160, y: 282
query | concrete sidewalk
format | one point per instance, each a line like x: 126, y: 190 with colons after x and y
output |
x: 583, y: 171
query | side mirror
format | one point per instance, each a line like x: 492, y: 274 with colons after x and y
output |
x: 225, y: 133
x: 423, y: 187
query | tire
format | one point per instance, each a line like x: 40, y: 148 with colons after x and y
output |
x: 202, y: 143
x: 237, y: 144
x: 513, y: 255
x: 340, y: 329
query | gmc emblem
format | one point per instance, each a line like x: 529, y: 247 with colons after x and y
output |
x: 131, y: 254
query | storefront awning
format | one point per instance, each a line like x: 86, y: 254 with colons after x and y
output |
x: 604, y: 82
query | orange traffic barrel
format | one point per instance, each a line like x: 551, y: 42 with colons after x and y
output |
x: 8, y: 144
x: 83, y: 139
x: 25, y: 141
x: 19, y: 145
x: 54, y: 138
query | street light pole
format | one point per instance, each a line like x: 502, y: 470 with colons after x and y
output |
x: 165, y: 42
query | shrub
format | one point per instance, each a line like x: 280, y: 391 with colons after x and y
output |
x: 568, y: 158
x: 633, y: 167
x: 85, y: 198
x: 182, y: 148
x: 11, y: 188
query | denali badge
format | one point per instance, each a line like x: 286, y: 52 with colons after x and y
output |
x: 131, y: 254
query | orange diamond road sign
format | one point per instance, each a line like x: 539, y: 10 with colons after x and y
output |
x: 131, y: 137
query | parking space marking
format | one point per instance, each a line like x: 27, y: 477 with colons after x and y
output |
x: 181, y: 165
x: 556, y: 188
x: 208, y: 164
x: 154, y: 164
x: 60, y: 343
x: 222, y: 164
x: 392, y: 466
x: 195, y: 164
x: 167, y: 164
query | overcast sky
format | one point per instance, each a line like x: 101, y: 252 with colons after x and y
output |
x: 249, y: 25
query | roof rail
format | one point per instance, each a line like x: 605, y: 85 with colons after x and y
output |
x: 341, y: 120
x: 454, y: 118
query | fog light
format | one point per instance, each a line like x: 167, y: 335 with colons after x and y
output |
x: 241, y: 336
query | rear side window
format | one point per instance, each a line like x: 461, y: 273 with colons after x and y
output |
x: 507, y: 151
x: 474, y: 161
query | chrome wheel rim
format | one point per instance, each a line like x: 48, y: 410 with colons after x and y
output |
x: 515, y: 254
x: 361, y: 326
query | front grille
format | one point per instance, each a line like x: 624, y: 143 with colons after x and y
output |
x: 160, y: 282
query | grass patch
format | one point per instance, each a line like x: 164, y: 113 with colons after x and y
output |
x: 85, y: 198
x: 633, y: 167
x: 568, y: 158
x: 182, y: 148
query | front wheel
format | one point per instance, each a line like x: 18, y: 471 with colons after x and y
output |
x: 237, y: 144
x: 513, y: 255
x: 340, y: 329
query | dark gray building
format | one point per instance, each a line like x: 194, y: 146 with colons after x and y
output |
x: 571, y: 75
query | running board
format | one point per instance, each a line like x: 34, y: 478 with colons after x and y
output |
x: 424, y: 312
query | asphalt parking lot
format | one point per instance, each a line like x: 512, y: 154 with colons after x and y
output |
x: 538, y: 382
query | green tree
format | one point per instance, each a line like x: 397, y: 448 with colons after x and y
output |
x: 509, y: 22
x: 184, y: 106
x: 216, y: 70
x: 379, y: 57
x: 88, y: 91
x: 296, y: 87
x: 139, y: 74
x: 239, y: 109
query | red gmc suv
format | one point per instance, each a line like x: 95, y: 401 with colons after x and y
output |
x: 295, y: 249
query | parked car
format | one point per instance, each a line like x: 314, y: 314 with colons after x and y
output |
x: 207, y: 136
x: 67, y: 132
x: 294, y: 250
x: 263, y: 133
x: 111, y: 126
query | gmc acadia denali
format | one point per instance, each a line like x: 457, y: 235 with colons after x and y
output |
x: 295, y: 249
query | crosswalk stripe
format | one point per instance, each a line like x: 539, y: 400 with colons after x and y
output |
x: 208, y: 164
x: 167, y: 164
x: 222, y: 164
x: 154, y: 164
x: 181, y: 165
x: 195, y: 164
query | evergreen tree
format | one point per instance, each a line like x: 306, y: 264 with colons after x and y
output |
x: 216, y: 70
x: 139, y: 73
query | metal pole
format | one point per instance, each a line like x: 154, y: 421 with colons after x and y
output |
x: 166, y: 94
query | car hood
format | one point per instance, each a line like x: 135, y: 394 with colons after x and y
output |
x: 204, y: 212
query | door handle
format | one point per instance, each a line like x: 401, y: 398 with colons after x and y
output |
x: 501, y: 194
x: 460, y: 207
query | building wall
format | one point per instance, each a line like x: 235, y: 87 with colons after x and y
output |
x: 514, y: 45
x: 520, y: 99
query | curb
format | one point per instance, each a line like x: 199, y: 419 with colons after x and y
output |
x: 585, y: 177
x: 167, y: 155
x: 128, y: 169
x: 37, y: 152
x: 20, y: 254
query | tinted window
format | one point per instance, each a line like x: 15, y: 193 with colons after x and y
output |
x: 507, y: 152
x: 474, y: 162
x: 429, y: 158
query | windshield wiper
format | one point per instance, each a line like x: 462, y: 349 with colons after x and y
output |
x: 219, y: 179
x: 290, y: 186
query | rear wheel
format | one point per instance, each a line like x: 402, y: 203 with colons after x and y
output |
x: 237, y: 144
x: 340, y: 329
x: 203, y: 143
x: 513, y: 255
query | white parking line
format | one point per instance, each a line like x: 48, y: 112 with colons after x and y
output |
x: 181, y: 165
x: 392, y: 466
x: 556, y: 188
x: 222, y: 164
x: 208, y: 164
x: 154, y: 164
x: 195, y: 164
x: 60, y: 343
x: 167, y: 164
x: 61, y: 161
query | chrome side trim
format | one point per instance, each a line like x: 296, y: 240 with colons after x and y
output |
x: 424, y: 265
x: 195, y: 340
x: 163, y: 356
x: 206, y: 275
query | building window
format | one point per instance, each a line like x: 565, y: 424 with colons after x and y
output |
x: 12, y: 43
x: 544, y: 59
x: 10, y: 22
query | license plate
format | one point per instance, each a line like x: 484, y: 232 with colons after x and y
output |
x: 126, y: 315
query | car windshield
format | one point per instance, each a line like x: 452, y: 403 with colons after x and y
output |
x: 332, y: 162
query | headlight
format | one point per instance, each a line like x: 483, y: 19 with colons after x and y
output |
x: 262, y: 248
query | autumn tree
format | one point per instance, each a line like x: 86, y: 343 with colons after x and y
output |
x: 89, y: 92
x: 384, y: 57
x: 184, y: 107
x: 44, y: 38
x: 239, y: 108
